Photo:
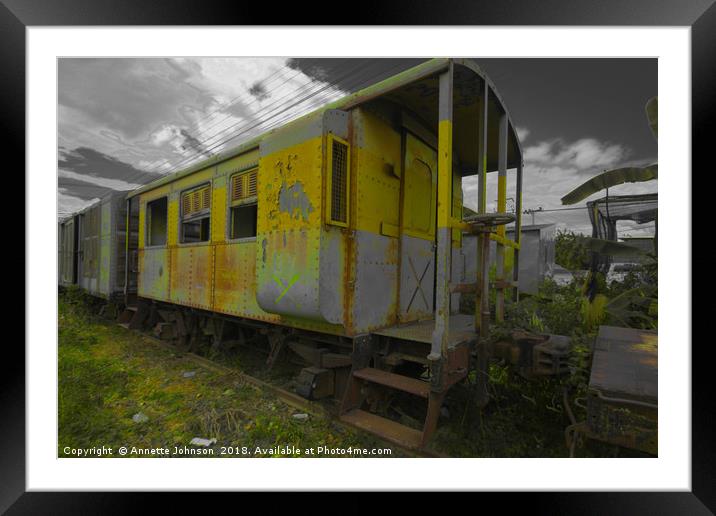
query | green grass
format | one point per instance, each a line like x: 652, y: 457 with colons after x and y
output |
x: 107, y: 374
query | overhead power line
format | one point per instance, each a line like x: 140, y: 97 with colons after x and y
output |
x: 309, y: 91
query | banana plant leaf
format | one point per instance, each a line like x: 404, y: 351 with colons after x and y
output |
x: 609, y: 179
x: 611, y: 248
x: 652, y: 115
x: 631, y: 305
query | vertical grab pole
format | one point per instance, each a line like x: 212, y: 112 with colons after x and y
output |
x: 501, y: 208
x: 482, y: 305
x: 444, y: 227
x: 518, y: 232
x: 480, y: 292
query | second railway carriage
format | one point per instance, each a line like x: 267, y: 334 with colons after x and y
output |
x: 92, y: 247
x: 339, y: 235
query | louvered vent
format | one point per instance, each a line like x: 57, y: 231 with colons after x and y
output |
x: 186, y: 204
x: 196, y: 201
x: 339, y: 182
x: 237, y: 188
x: 251, y: 179
x: 244, y: 185
x: 205, y: 199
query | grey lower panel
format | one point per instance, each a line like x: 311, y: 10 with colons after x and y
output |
x: 331, y: 280
x: 376, y: 280
x: 287, y: 283
x: 417, y: 278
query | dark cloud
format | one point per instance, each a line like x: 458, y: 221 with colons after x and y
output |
x: 131, y: 96
x: 573, y: 99
x: 259, y: 91
x: 81, y: 189
x: 191, y: 142
x: 84, y: 160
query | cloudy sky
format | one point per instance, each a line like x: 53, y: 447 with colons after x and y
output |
x: 125, y: 122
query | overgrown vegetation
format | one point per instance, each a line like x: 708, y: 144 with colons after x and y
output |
x: 521, y: 405
x: 108, y: 375
x: 570, y: 252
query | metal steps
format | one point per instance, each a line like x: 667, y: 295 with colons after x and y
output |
x: 389, y: 430
x: 133, y: 316
x: 395, y: 381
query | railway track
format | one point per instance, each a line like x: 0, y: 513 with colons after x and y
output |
x: 288, y: 397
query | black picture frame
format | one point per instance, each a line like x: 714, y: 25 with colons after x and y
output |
x: 16, y: 15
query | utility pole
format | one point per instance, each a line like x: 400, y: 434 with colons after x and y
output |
x: 532, y: 211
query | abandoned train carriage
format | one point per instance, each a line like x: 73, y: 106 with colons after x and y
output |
x: 340, y: 236
x: 92, y: 247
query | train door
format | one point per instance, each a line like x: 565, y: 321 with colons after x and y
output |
x: 417, y: 231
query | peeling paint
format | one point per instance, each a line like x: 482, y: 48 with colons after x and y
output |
x: 294, y: 201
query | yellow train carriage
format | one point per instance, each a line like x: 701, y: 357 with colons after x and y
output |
x: 348, y: 223
x: 327, y: 223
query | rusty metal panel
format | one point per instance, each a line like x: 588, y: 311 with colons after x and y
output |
x: 202, y: 275
x: 288, y: 272
x: 67, y: 252
x: 192, y: 269
x: 377, y: 166
x: 105, y: 247
x: 90, y: 248
x: 622, y: 399
x: 154, y: 273
x: 235, y: 267
x: 625, y: 363
x: 235, y: 281
x: 375, y: 293
x: 332, y: 275
x: 289, y: 225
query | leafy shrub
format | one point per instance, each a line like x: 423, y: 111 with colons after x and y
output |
x: 570, y: 252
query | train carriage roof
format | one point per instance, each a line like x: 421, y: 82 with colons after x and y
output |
x: 114, y: 194
x: 416, y: 89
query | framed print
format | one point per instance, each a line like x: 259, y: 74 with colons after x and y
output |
x: 417, y: 242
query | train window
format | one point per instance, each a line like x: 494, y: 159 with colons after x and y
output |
x: 243, y: 221
x: 338, y: 183
x: 419, y: 188
x: 196, y: 215
x: 157, y: 222
x: 196, y: 230
x: 243, y: 206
